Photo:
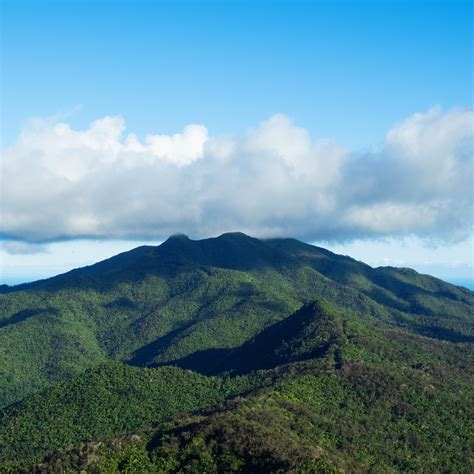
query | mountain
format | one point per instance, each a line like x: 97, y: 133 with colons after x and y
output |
x: 156, y: 305
x: 325, y: 362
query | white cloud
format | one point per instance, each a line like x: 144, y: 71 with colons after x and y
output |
x: 181, y: 148
x: 59, y: 183
x: 433, y: 136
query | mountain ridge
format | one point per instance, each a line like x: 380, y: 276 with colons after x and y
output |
x: 170, y: 242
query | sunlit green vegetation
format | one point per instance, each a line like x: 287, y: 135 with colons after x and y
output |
x: 110, y: 400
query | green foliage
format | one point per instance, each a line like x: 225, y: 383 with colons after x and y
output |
x: 109, y: 400
x: 377, y: 410
x: 362, y: 417
x: 358, y: 369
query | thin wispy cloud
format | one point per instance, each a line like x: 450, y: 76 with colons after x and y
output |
x: 60, y: 183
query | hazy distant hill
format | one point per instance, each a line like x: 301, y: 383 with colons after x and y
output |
x: 346, y: 366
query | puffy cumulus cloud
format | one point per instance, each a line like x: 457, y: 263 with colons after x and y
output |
x: 59, y: 183
x: 421, y: 182
x: 181, y: 148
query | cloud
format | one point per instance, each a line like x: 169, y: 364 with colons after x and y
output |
x: 181, y: 148
x: 16, y: 247
x: 59, y: 183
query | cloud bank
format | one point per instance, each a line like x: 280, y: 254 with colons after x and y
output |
x: 58, y: 183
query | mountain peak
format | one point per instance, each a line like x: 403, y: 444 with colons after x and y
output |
x: 234, y: 235
x: 177, y: 237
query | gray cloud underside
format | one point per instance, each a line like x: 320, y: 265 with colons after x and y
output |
x: 59, y: 183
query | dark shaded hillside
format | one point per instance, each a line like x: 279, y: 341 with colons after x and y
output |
x: 189, y: 300
x: 308, y: 333
x: 311, y: 332
x: 178, y: 254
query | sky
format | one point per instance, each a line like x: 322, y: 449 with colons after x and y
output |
x: 348, y: 124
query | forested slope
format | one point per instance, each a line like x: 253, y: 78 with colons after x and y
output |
x: 379, y: 400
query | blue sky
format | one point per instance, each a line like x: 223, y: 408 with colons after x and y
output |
x: 347, y: 71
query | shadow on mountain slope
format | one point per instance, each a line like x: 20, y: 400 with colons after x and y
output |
x: 308, y: 333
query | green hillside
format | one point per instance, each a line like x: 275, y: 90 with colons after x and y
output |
x: 377, y: 401
x: 109, y: 400
x: 286, y: 357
